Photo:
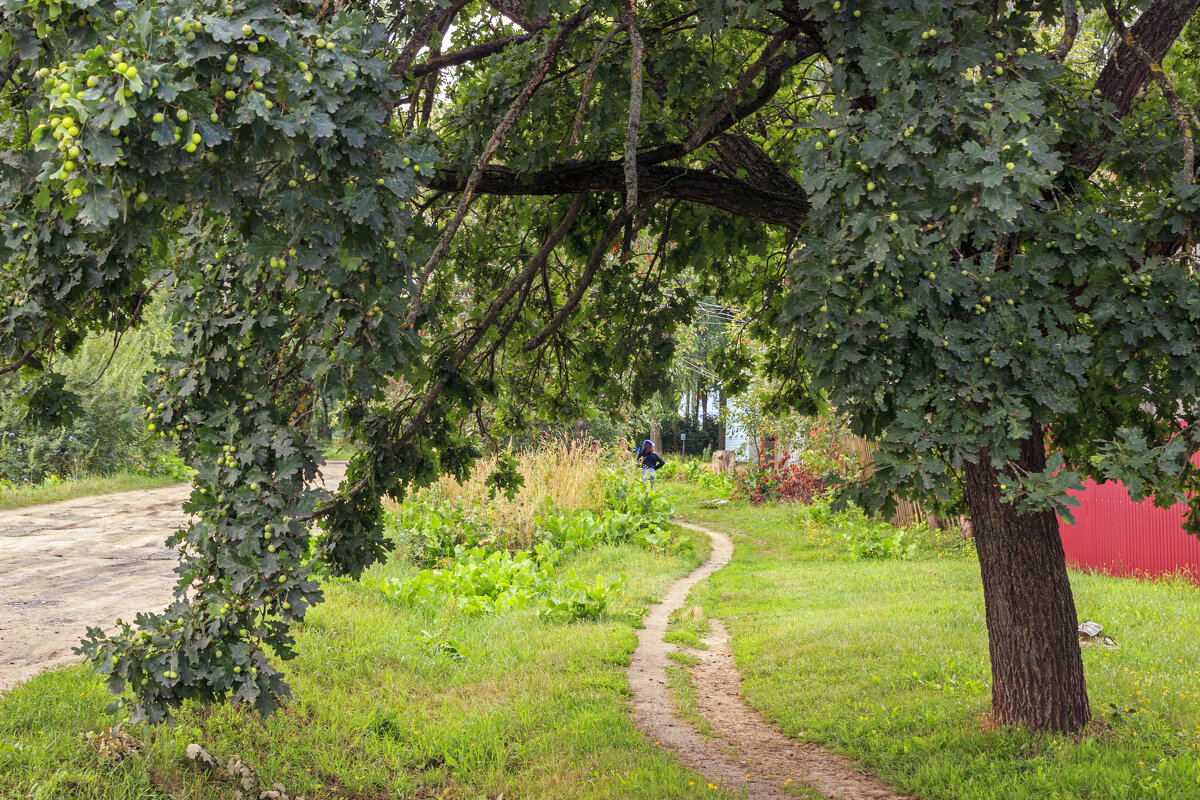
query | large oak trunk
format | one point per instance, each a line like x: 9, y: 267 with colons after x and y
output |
x: 1037, y: 667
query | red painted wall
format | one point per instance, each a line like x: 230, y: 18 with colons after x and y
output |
x: 1118, y: 536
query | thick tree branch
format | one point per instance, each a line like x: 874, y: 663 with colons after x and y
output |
x: 635, y: 106
x: 1125, y: 75
x: 786, y: 208
x: 739, y: 155
x: 517, y: 11
x: 1070, y: 31
x: 468, y: 54
x: 436, y: 19
x: 1164, y: 85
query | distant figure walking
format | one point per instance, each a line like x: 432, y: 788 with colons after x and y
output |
x: 650, y: 460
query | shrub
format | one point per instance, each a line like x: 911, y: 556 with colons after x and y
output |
x: 879, y: 540
x: 721, y: 482
x: 478, y: 582
x: 625, y: 491
x: 694, y: 469
x: 793, y: 482
x: 669, y: 470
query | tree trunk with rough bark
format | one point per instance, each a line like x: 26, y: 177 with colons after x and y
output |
x: 1037, y: 668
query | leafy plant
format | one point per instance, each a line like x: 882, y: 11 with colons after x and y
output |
x: 574, y: 599
x: 478, y: 582
x: 669, y: 469
x: 721, y: 482
x: 879, y: 540
x: 626, y: 492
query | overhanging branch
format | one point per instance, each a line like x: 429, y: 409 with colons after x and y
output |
x: 785, y: 208
x: 468, y: 54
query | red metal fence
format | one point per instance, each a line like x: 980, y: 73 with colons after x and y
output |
x: 1118, y: 536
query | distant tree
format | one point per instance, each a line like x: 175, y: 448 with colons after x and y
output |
x: 971, y: 222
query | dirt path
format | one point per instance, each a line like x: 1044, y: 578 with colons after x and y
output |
x: 749, y: 755
x: 84, y: 562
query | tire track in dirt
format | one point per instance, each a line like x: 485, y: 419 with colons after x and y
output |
x: 752, y: 756
x: 85, y: 562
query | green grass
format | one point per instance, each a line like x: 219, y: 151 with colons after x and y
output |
x: 687, y: 628
x: 84, y: 487
x: 392, y: 702
x: 887, y: 661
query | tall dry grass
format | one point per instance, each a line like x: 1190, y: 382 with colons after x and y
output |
x: 559, y: 475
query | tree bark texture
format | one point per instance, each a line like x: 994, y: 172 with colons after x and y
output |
x: 728, y: 194
x: 1037, y: 668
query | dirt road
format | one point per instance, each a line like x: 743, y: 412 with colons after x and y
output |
x: 70, y: 565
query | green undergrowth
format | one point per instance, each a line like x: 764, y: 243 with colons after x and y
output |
x: 52, y: 491
x: 394, y: 701
x: 482, y: 567
x: 886, y: 660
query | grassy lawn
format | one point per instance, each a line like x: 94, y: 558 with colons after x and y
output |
x: 84, y: 487
x: 392, y: 702
x: 886, y: 661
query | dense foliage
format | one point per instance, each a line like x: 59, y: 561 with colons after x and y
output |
x: 966, y: 284
x: 107, y: 433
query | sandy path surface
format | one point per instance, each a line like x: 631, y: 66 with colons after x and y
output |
x: 67, y: 566
x: 746, y: 753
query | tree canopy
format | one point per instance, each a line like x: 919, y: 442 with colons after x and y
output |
x: 964, y: 224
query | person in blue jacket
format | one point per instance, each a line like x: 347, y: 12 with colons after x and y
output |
x: 649, y: 459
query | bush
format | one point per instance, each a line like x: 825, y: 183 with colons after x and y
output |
x: 669, y: 469
x: 625, y: 491
x: 863, y: 537
x: 879, y: 540
x: 692, y: 470
x: 479, y: 582
x: 574, y: 599
x: 793, y: 482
